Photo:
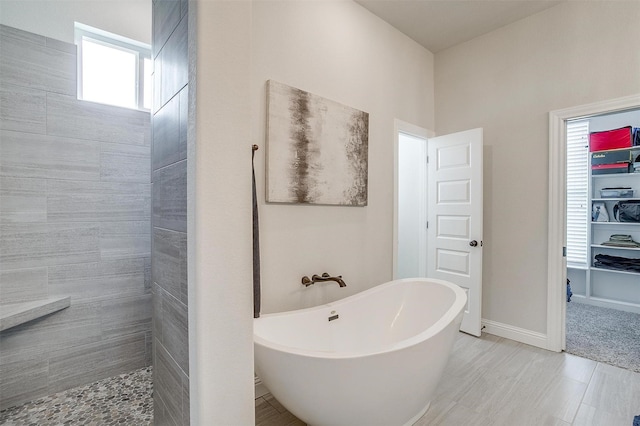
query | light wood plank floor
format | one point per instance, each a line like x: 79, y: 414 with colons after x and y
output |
x: 494, y: 381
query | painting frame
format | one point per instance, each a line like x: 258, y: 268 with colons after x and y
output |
x: 317, y: 149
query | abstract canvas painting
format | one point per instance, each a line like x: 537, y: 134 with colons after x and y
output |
x: 317, y: 149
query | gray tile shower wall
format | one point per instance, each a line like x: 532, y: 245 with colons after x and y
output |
x: 87, y: 120
x: 37, y: 62
x: 169, y: 213
x: 75, y: 220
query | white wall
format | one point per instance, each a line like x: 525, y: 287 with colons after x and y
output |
x: 615, y: 121
x: 507, y: 81
x: 54, y: 18
x: 339, y: 51
x: 220, y: 283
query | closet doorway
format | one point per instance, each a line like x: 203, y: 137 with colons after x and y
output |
x: 601, y: 295
x: 603, y: 248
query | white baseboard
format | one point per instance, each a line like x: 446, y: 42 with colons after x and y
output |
x: 260, y: 389
x: 604, y: 303
x: 515, y: 333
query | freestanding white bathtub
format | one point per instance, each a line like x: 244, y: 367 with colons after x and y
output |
x: 374, y: 358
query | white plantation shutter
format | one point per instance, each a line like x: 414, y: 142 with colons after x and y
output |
x: 578, y: 210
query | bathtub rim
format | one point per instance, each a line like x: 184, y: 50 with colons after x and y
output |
x: 454, y: 311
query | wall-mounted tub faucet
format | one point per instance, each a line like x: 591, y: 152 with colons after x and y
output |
x: 315, y: 278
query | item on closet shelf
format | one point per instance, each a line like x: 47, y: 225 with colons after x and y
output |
x: 611, y: 157
x: 608, y: 169
x: 620, y: 192
x: 621, y: 240
x: 627, y: 211
x: 617, y: 263
x: 636, y: 136
x: 599, y: 212
x: 636, y: 165
x: 610, y: 139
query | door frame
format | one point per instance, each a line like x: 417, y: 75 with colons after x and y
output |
x: 556, y: 262
x: 412, y: 130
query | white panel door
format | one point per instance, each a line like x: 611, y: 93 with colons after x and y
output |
x: 455, y: 217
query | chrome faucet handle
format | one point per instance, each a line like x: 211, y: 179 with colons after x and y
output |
x: 306, y: 281
x: 325, y: 275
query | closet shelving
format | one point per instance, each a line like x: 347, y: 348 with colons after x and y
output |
x: 610, y: 287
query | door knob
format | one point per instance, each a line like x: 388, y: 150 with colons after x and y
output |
x: 473, y: 243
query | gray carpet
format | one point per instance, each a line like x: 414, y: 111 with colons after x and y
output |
x: 604, y: 335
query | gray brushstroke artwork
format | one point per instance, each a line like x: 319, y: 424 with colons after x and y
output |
x: 317, y: 149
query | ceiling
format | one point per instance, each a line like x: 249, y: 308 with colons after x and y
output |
x: 440, y: 24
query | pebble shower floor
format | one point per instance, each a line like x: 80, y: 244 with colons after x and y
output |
x: 126, y: 399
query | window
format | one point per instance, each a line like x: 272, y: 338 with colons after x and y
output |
x: 578, y: 210
x: 112, y: 69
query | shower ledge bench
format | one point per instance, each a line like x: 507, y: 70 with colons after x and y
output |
x: 15, y: 314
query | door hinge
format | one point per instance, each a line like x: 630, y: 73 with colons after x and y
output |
x: 427, y: 159
x: 564, y: 252
x: 427, y: 224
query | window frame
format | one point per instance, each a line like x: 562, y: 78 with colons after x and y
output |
x: 141, y: 50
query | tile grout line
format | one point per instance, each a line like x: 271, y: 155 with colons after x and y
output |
x: 573, y: 419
